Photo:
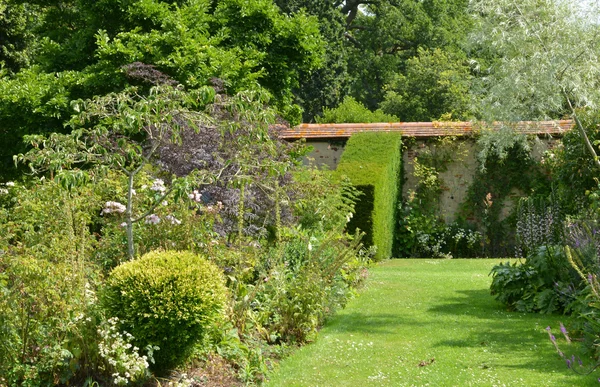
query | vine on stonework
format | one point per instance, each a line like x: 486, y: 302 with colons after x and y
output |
x: 506, y: 167
x: 422, y: 231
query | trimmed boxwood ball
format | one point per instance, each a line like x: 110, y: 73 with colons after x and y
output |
x: 167, y: 299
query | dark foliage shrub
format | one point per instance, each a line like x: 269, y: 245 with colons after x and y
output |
x: 372, y: 161
x: 167, y: 299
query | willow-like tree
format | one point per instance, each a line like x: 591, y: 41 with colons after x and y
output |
x: 547, y: 60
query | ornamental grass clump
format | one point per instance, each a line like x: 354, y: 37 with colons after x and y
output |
x: 166, y: 299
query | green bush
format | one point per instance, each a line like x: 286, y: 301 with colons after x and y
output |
x: 167, y: 299
x: 303, y: 280
x: 372, y: 161
x: 47, y: 283
x: 545, y: 282
x: 350, y: 110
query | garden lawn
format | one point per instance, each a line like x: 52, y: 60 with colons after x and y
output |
x: 431, y: 323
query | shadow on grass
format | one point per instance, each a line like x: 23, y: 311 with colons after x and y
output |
x: 504, y: 332
x: 369, y: 323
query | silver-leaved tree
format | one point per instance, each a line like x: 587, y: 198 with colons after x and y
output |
x: 545, y: 60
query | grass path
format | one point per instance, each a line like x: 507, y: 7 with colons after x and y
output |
x: 413, y: 311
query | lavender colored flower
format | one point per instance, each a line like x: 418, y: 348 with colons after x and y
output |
x: 566, y: 335
x: 152, y: 219
x: 159, y: 186
x: 110, y: 207
x: 563, y: 329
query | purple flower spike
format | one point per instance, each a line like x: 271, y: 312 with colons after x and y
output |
x: 563, y: 329
x: 548, y: 328
x: 568, y: 363
x: 552, y: 338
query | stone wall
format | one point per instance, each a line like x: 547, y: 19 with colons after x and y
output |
x: 325, y: 153
x: 455, y: 180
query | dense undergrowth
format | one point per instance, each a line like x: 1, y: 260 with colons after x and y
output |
x: 132, y: 254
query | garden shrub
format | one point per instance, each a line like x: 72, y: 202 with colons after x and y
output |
x: 47, y: 284
x: 545, y: 282
x: 350, y: 110
x: 167, y: 299
x: 302, y: 281
x: 372, y: 161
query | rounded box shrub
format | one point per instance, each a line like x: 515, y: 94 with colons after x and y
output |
x: 167, y: 299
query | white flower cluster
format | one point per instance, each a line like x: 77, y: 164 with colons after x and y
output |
x: 152, y: 219
x: 90, y: 294
x: 172, y: 219
x: 111, y: 207
x: 432, y: 245
x: 4, y: 191
x: 195, y: 196
x: 183, y: 381
x: 122, y: 358
x: 159, y: 186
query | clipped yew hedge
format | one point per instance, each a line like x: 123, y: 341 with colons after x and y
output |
x: 373, y: 163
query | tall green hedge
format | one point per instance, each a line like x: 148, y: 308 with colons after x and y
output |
x: 373, y: 162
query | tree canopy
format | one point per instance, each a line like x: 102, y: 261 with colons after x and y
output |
x: 82, y: 49
x: 547, y: 60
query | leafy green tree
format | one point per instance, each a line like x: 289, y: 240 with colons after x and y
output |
x: 86, y: 47
x: 384, y: 34
x: 326, y: 86
x: 548, y: 61
x: 17, y: 22
x: 434, y: 86
x: 120, y: 131
x: 352, y: 111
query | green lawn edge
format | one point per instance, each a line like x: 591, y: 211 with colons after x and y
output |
x: 414, y: 310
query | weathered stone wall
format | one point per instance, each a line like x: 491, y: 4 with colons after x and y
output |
x: 455, y: 180
x: 325, y: 153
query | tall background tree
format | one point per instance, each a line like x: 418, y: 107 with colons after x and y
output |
x: 547, y: 61
x: 82, y: 48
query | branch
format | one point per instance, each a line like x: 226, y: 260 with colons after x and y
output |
x: 582, y: 131
x: 153, y: 207
x: 352, y: 39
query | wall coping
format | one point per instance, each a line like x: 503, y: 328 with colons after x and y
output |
x: 422, y: 129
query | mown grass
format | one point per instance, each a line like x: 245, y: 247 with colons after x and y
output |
x: 430, y: 323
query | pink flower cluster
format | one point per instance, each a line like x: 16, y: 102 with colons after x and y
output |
x: 152, y: 219
x: 214, y: 209
x: 195, y: 196
x: 111, y: 207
